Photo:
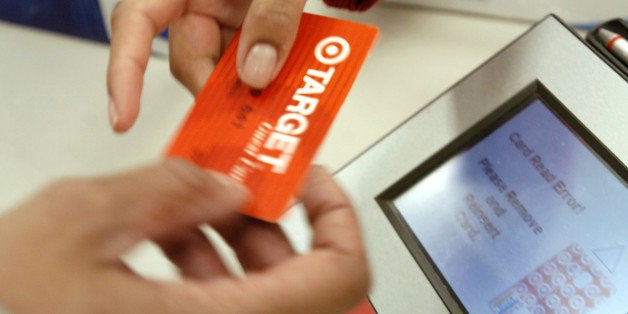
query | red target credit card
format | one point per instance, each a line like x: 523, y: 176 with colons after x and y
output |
x: 267, y: 139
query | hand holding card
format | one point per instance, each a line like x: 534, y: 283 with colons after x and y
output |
x: 267, y: 139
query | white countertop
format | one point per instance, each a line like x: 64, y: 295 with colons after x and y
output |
x: 54, y: 120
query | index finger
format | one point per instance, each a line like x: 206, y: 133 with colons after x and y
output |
x: 333, y: 277
x: 134, y: 24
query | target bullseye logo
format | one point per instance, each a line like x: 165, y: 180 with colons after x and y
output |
x: 332, y: 50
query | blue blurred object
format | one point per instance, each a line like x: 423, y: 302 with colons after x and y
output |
x: 81, y: 18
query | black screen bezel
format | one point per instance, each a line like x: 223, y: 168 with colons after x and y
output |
x: 535, y: 90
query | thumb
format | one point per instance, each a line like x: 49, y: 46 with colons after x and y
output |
x: 268, y: 32
x: 164, y: 200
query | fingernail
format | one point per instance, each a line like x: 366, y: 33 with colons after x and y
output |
x: 259, y: 65
x: 113, y: 114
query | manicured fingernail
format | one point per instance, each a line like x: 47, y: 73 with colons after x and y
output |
x: 259, y: 65
x: 113, y: 114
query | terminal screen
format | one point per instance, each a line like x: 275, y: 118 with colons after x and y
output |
x: 529, y: 219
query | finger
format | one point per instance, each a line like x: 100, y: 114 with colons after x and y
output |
x: 258, y: 244
x: 331, y: 214
x: 161, y: 201
x: 268, y: 32
x: 333, y: 277
x: 134, y: 24
x: 198, y: 38
x: 195, y: 46
x: 193, y: 254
